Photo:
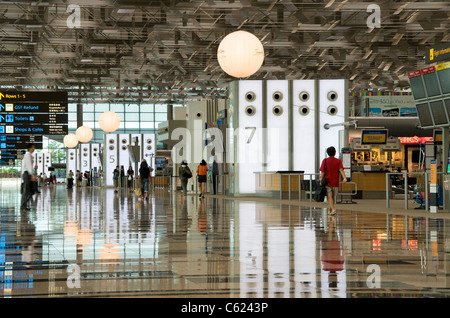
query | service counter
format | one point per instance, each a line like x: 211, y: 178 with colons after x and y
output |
x: 285, y: 184
x: 370, y: 184
x: 276, y: 183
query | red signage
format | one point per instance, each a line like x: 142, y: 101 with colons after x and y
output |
x: 414, y: 73
x: 426, y: 70
x: 415, y: 140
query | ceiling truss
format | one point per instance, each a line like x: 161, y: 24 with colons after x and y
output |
x: 165, y: 51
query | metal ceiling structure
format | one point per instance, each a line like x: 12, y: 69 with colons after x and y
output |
x: 166, y: 51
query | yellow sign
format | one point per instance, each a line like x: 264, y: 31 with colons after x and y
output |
x: 442, y: 66
x: 431, y: 54
x: 433, y: 173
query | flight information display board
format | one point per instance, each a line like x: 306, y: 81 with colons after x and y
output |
x: 431, y: 90
x: 430, y: 82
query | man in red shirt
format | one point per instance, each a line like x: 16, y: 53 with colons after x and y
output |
x: 330, y: 169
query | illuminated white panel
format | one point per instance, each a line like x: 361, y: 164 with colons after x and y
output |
x: 305, y: 263
x: 72, y: 160
x: 39, y: 162
x: 47, y: 159
x: 303, y: 136
x: 249, y: 143
x: 332, y: 98
x: 110, y: 157
x: 277, y: 125
x: 148, y: 150
x: 85, y: 157
x: 278, y: 262
x: 95, y: 163
x: 251, y: 253
x: 124, y: 157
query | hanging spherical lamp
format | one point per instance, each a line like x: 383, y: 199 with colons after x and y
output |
x: 109, y: 121
x: 240, y: 54
x: 84, y: 134
x: 70, y: 141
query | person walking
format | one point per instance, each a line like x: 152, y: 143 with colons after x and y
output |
x: 144, y: 174
x: 116, y: 174
x: 70, y: 179
x: 130, y: 176
x: 214, y: 175
x: 27, y: 177
x: 202, y: 171
x: 330, y: 169
x: 185, y: 174
x: 36, y: 184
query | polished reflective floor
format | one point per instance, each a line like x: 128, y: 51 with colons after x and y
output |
x: 92, y: 242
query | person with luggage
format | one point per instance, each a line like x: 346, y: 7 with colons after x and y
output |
x: 331, y: 169
x: 184, y: 174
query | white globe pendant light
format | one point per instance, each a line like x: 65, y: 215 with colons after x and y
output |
x: 84, y: 134
x: 70, y: 140
x: 240, y: 54
x: 109, y: 121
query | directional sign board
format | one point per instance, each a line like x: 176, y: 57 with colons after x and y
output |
x: 15, y: 96
x: 22, y: 129
x: 21, y: 139
x: 19, y: 145
x: 33, y: 107
x: 34, y: 119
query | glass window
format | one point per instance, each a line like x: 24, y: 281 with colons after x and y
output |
x: 149, y: 125
x: 72, y: 107
x: 72, y: 117
x: 147, y: 117
x: 73, y: 125
x: 147, y: 108
x: 88, y: 107
x: 132, y: 108
x: 88, y: 117
x: 118, y: 108
x: 160, y: 116
x: 101, y: 108
x: 131, y: 116
x: 159, y: 108
x: 132, y: 124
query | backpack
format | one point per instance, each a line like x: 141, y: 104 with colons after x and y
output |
x: 145, y: 172
x: 187, y: 173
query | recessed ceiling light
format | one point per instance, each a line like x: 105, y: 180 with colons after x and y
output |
x: 86, y: 60
x: 125, y: 11
x: 97, y: 47
x: 25, y: 57
x: 109, y: 31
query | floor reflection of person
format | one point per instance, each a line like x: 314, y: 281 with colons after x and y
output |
x: 332, y: 258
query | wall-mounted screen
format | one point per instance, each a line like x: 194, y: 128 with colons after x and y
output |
x: 444, y: 80
x: 438, y: 112
x: 423, y: 111
x: 417, y: 87
x: 432, y: 84
x: 447, y: 105
x: 374, y: 136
